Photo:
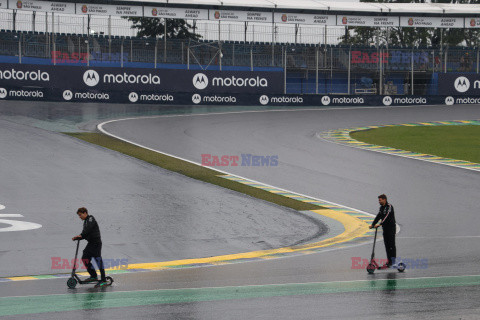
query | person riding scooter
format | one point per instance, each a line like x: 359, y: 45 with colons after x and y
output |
x: 386, y: 216
x: 93, y: 250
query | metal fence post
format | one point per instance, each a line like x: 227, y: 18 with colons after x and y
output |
x: 445, y: 62
x: 273, y: 43
x: 412, y: 74
x: 156, y: 51
x: 14, y: 20
x: 54, y: 49
x: 220, y: 54
x: 251, y: 57
x: 88, y: 52
x: 110, y: 36
x: 20, y: 49
x: 349, y: 67
x: 33, y: 20
x: 285, y: 73
x: 121, y: 53
x: 433, y: 60
x: 165, y: 43
x: 380, y: 65
x: 325, y: 33
x: 478, y: 57
x: 316, y: 69
x: 183, y: 52
x: 331, y: 68
x: 245, y: 32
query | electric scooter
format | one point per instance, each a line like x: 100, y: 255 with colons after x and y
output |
x: 373, y: 265
x: 74, y: 279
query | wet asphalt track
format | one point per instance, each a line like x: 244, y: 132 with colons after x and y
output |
x: 436, y: 207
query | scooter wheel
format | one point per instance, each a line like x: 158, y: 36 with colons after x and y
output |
x: 401, y: 267
x: 109, y: 280
x: 371, y: 268
x: 71, y: 283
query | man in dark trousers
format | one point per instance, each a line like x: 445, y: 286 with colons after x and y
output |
x: 386, y: 216
x: 93, y: 250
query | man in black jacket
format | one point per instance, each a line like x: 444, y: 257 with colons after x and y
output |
x: 386, y: 216
x: 93, y: 250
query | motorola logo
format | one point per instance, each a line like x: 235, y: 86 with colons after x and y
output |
x: 91, y: 78
x: 3, y: 93
x: 462, y: 84
x: 387, y: 100
x: 196, y: 98
x: 325, y: 100
x: 449, y: 101
x: 133, y: 97
x: 264, y: 100
x: 200, y: 81
x: 67, y: 95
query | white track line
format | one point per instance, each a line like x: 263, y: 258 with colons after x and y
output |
x: 100, y: 127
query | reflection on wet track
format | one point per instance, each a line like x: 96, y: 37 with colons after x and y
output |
x: 432, y: 204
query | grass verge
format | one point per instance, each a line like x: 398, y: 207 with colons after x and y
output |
x: 456, y: 142
x: 188, y: 169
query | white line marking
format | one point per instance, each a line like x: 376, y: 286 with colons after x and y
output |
x: 247, y: 286
x: 100, y: 127
x: 16, y: 225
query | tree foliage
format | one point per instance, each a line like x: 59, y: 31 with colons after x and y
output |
x: 410, y: 37
x: 155, y: 28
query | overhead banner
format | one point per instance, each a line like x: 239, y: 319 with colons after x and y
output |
x: 303, y: 18
x: 459, y: 84
x: 431, y: 22
x: 176, y: 13
x: 234, y: 15
x: 109, y: 10
x: 367, y: 21
x: 105, y: 79
x: 472, y: 23
x: 43, y: 6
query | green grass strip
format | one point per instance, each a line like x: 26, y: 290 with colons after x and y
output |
x: 112, y: 299
x: 190, y: 170
x: 456, y: 142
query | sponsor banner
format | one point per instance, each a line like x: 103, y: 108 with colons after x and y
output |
x: 109, y: 10
x: 140, y: 79
x: 353, y: 101
x: 405, y: 100
x: 228, y: 81
x: 459, y: 84
x: 19, y: 93
x: 291, y: 100
x: 472, y: 23
x: 367, y: 21
x: 176, y: 13
x: 303, y: 18
x: 431, y: 22
x: 45, y: 6
x: 73, y: 94
x: 152, y: 97
x: 461, y: 100
x: 234, y: 15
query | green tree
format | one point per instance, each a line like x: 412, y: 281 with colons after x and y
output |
x: 155, y: 27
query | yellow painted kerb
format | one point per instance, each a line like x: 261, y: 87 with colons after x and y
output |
x: 353, y: 226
